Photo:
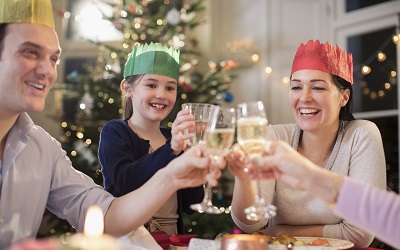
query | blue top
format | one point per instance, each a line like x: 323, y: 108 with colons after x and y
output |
x: 127, y: 164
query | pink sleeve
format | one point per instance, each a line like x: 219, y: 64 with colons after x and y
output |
x: 374, y: 210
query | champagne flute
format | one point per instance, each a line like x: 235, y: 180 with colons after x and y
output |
x: 219, y: 137
x: 252, y: 135
x: 203, y: 113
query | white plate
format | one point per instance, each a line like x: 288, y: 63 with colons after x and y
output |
x: 339, y: 244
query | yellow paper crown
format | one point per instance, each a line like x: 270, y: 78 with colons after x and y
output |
x: 27, y: 11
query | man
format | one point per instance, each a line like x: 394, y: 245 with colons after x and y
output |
x: 35, y: 172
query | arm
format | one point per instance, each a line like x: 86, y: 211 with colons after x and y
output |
x: 243, y: 192
x: 287, y: 165
x: 188, y: 170
x: 377, y: 211
x: 125, y: 161
x: 366, y: 164
x: 361, y: 157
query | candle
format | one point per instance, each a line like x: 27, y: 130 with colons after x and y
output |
x: 93, y: 237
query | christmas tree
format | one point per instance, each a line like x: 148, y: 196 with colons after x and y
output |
x: 92, y: 95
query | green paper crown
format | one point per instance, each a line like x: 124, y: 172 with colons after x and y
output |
x: 153, y: 59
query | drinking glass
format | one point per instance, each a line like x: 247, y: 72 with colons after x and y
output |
x: 252, y: 135
x: 219, y: 137
x: 203, y: 113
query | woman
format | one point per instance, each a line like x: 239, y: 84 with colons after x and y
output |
x: 327, y: 134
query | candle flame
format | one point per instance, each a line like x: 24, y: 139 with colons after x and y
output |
x: 94, y: 222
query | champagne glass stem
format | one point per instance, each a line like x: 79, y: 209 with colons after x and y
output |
x: 208, y: 194
x: 258, y: 194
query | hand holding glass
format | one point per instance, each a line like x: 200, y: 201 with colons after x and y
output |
x: 203, y: 114
x: 219, y: 138
x: 252, y: 135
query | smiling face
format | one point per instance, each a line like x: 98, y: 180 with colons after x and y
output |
x: 153, y: 96
x: 27, y: 67
x: 315, y: 100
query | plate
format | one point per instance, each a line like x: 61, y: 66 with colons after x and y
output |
x: 339, y: 244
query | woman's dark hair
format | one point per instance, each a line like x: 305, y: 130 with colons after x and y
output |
x: 346, y: 111
x: 3, y: 32
x: 127, y: 101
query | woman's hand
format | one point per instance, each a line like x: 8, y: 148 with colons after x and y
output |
x: 184, y: 120
x: 284, y: 163
x: 238, y: 162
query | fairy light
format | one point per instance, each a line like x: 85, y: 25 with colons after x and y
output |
x: 381, y: 56
x: 365, y: 70
x: 268, y: 70
x: 396, y: 36
x: 286, y: 80
x: 255, y: 58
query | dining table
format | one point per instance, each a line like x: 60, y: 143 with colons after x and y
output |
x: 192, y: 242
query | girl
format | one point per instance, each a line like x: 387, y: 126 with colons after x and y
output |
x: 133, y: 149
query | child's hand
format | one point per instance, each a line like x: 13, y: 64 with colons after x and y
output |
x: 184, y: 120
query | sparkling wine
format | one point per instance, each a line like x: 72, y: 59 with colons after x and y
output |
x: 220, y: 140
x: 252, y: 135
x: 199, y: 133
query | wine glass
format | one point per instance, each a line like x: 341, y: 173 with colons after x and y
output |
x: 252, y: 135
x: 203, y: 114
x: 219, y: 137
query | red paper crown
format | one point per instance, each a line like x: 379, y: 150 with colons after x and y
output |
x: 324, y: 57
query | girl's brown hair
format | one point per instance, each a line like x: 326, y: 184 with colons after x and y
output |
x: 127, y: 101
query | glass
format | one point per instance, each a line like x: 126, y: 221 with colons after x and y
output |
x: 252, y: 135
x: 219, y: 137
x: 203, y: 114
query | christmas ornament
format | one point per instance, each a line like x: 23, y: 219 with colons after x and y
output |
x: 228, y: 97
x: 173, y: 16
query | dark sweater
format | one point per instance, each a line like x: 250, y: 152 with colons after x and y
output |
x: 126, y: 164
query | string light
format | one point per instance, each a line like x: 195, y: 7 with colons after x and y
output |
x: 366, y: 70
x: 381, y: 56
x: 396, y: 36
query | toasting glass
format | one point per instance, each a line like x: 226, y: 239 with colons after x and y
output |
x: 252, y: 135
x: 203, y: 114
x: 219, y: 137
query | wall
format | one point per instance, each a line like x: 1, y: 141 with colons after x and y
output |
x: 276, y: 28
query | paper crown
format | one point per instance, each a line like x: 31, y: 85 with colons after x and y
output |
x: 324, y: 57
x: 153, y: 59
x: 27, y: 11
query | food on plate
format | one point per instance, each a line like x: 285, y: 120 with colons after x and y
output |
x: 286, y: 239
x: 319, y: 242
